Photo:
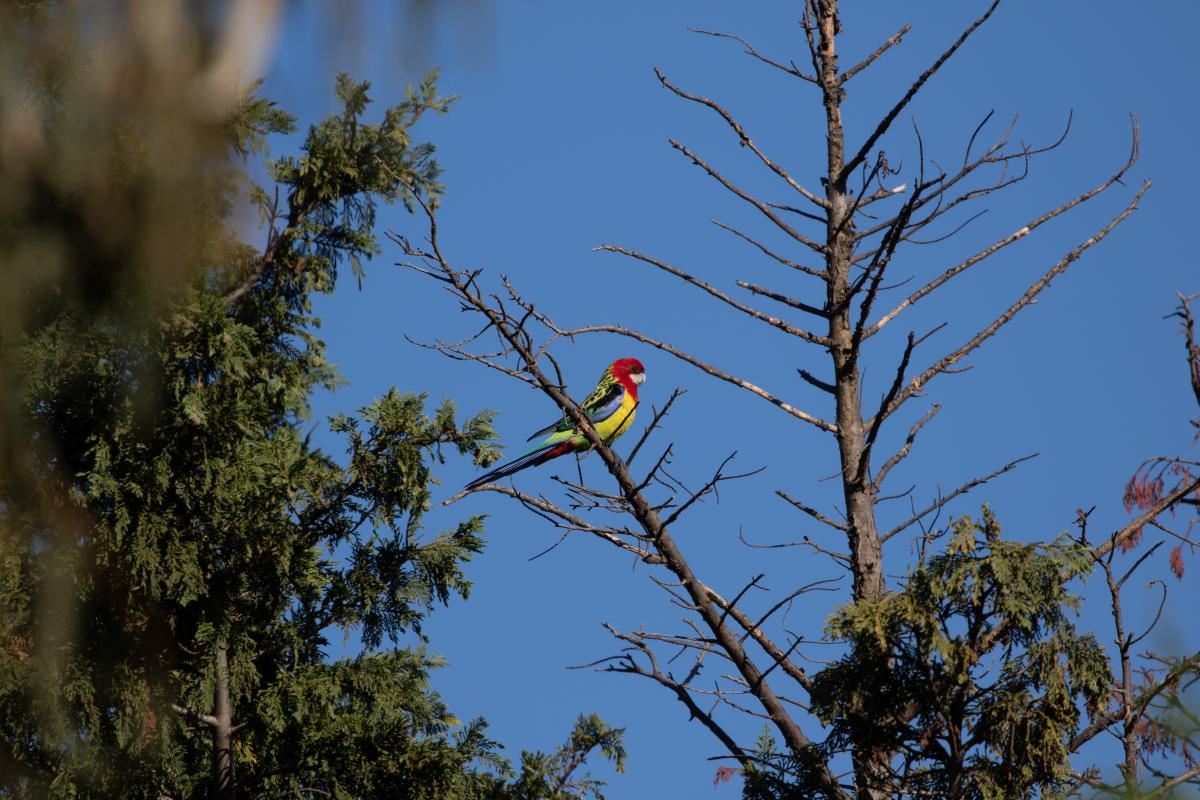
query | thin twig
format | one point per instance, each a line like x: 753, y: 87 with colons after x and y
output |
x: 966, y: 487
x: 790, y: 69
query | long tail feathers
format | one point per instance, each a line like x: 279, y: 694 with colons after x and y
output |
x: 530, y: 459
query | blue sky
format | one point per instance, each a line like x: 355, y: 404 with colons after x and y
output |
x: 559, y: 144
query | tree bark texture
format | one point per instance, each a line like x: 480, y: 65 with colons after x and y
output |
x: 224, y: 787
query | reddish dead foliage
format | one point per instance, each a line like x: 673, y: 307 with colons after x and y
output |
x: 723, y: 774
x: 1177, y: 561
x: 1145, y: 490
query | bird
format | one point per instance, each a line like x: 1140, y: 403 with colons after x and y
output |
x: 610, y: 407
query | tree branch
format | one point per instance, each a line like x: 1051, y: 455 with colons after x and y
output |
x: 790, y: 69
x: 195, y: 716
x: 760, y: 205
x: 845, y: 77
x: 966, y: 487
x: 903, y: 452
x: 1020, y: 233
x: 774, y: 322
x: 886, y: 122
x: 787, y: 262
x: 782, y: 298
x: 1120, y: 536
x: 812, y: 512
x: 744, y: 139
x: 919, y: 381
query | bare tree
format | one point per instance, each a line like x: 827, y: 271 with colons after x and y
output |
x: 958, y: 682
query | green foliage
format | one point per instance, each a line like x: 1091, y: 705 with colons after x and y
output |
x: 551, y: 776
x: 367, y: 727
x: 972, y: 673
x: 772, y: 775
x: 346, y: 168
x: 174, y: 551
x: 169, y: 514
x: 253, y: 121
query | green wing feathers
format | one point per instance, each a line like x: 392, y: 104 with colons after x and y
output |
x: 606, y: 392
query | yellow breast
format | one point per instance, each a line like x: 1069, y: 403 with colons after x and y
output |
x: 619, y: 422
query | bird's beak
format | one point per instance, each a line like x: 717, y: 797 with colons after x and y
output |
x: 639, y: 378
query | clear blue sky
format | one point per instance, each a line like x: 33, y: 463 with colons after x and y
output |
x: 558, y: 144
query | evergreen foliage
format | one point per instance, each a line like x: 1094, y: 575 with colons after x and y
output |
x: 973, y: 671
x: 174, y: 550
x: 550, y: 776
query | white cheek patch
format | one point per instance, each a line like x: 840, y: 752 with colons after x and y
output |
x: 639, y: 377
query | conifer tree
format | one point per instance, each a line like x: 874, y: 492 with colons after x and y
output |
x: 174, y: 550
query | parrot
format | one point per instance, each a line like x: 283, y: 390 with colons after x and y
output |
x: 610, y: 407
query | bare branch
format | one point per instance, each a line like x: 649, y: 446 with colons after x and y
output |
x: 886, y: 122
x: 949, y: 234
x: 1020, y: 233
x: 277, y: 241
x: 708, y: 488
x: 1179, y: 779
x: 966, y: 487
x: 975, y: 134
x: 1162, y: 601
x: 943, y: 365
x: 781, y: 298
x: 563, y: 519
x: 628, y: 665
x: 640, y: 508
x: 843, y: 559
x: 903, y: 452
x: 813, y: 380
x: 1129, y: 572
x: 812, y: 512
x: 798, y: 211
x: 787, y: 262
x: 871, y: 59
x: 654, y: 423
x: 813, y: 52
x: 793, y: 670
x: 1188, y: 326
x: 990, y: 157
x: 764, y: 208
x: 743, y: 138
x: 774, y: 322
x: 877, y: 420
x: 790, y: 68
x: 1141, y: 702
x: 195, y: 716
x: 753, y: 584
x: 815, y: 586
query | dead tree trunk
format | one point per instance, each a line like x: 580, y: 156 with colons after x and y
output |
x: 871, y: 767
x: 863, y: 537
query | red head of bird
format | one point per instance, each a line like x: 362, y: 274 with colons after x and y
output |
x: 630, y: 373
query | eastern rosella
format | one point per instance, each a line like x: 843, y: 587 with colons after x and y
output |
x: 610, y: 407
